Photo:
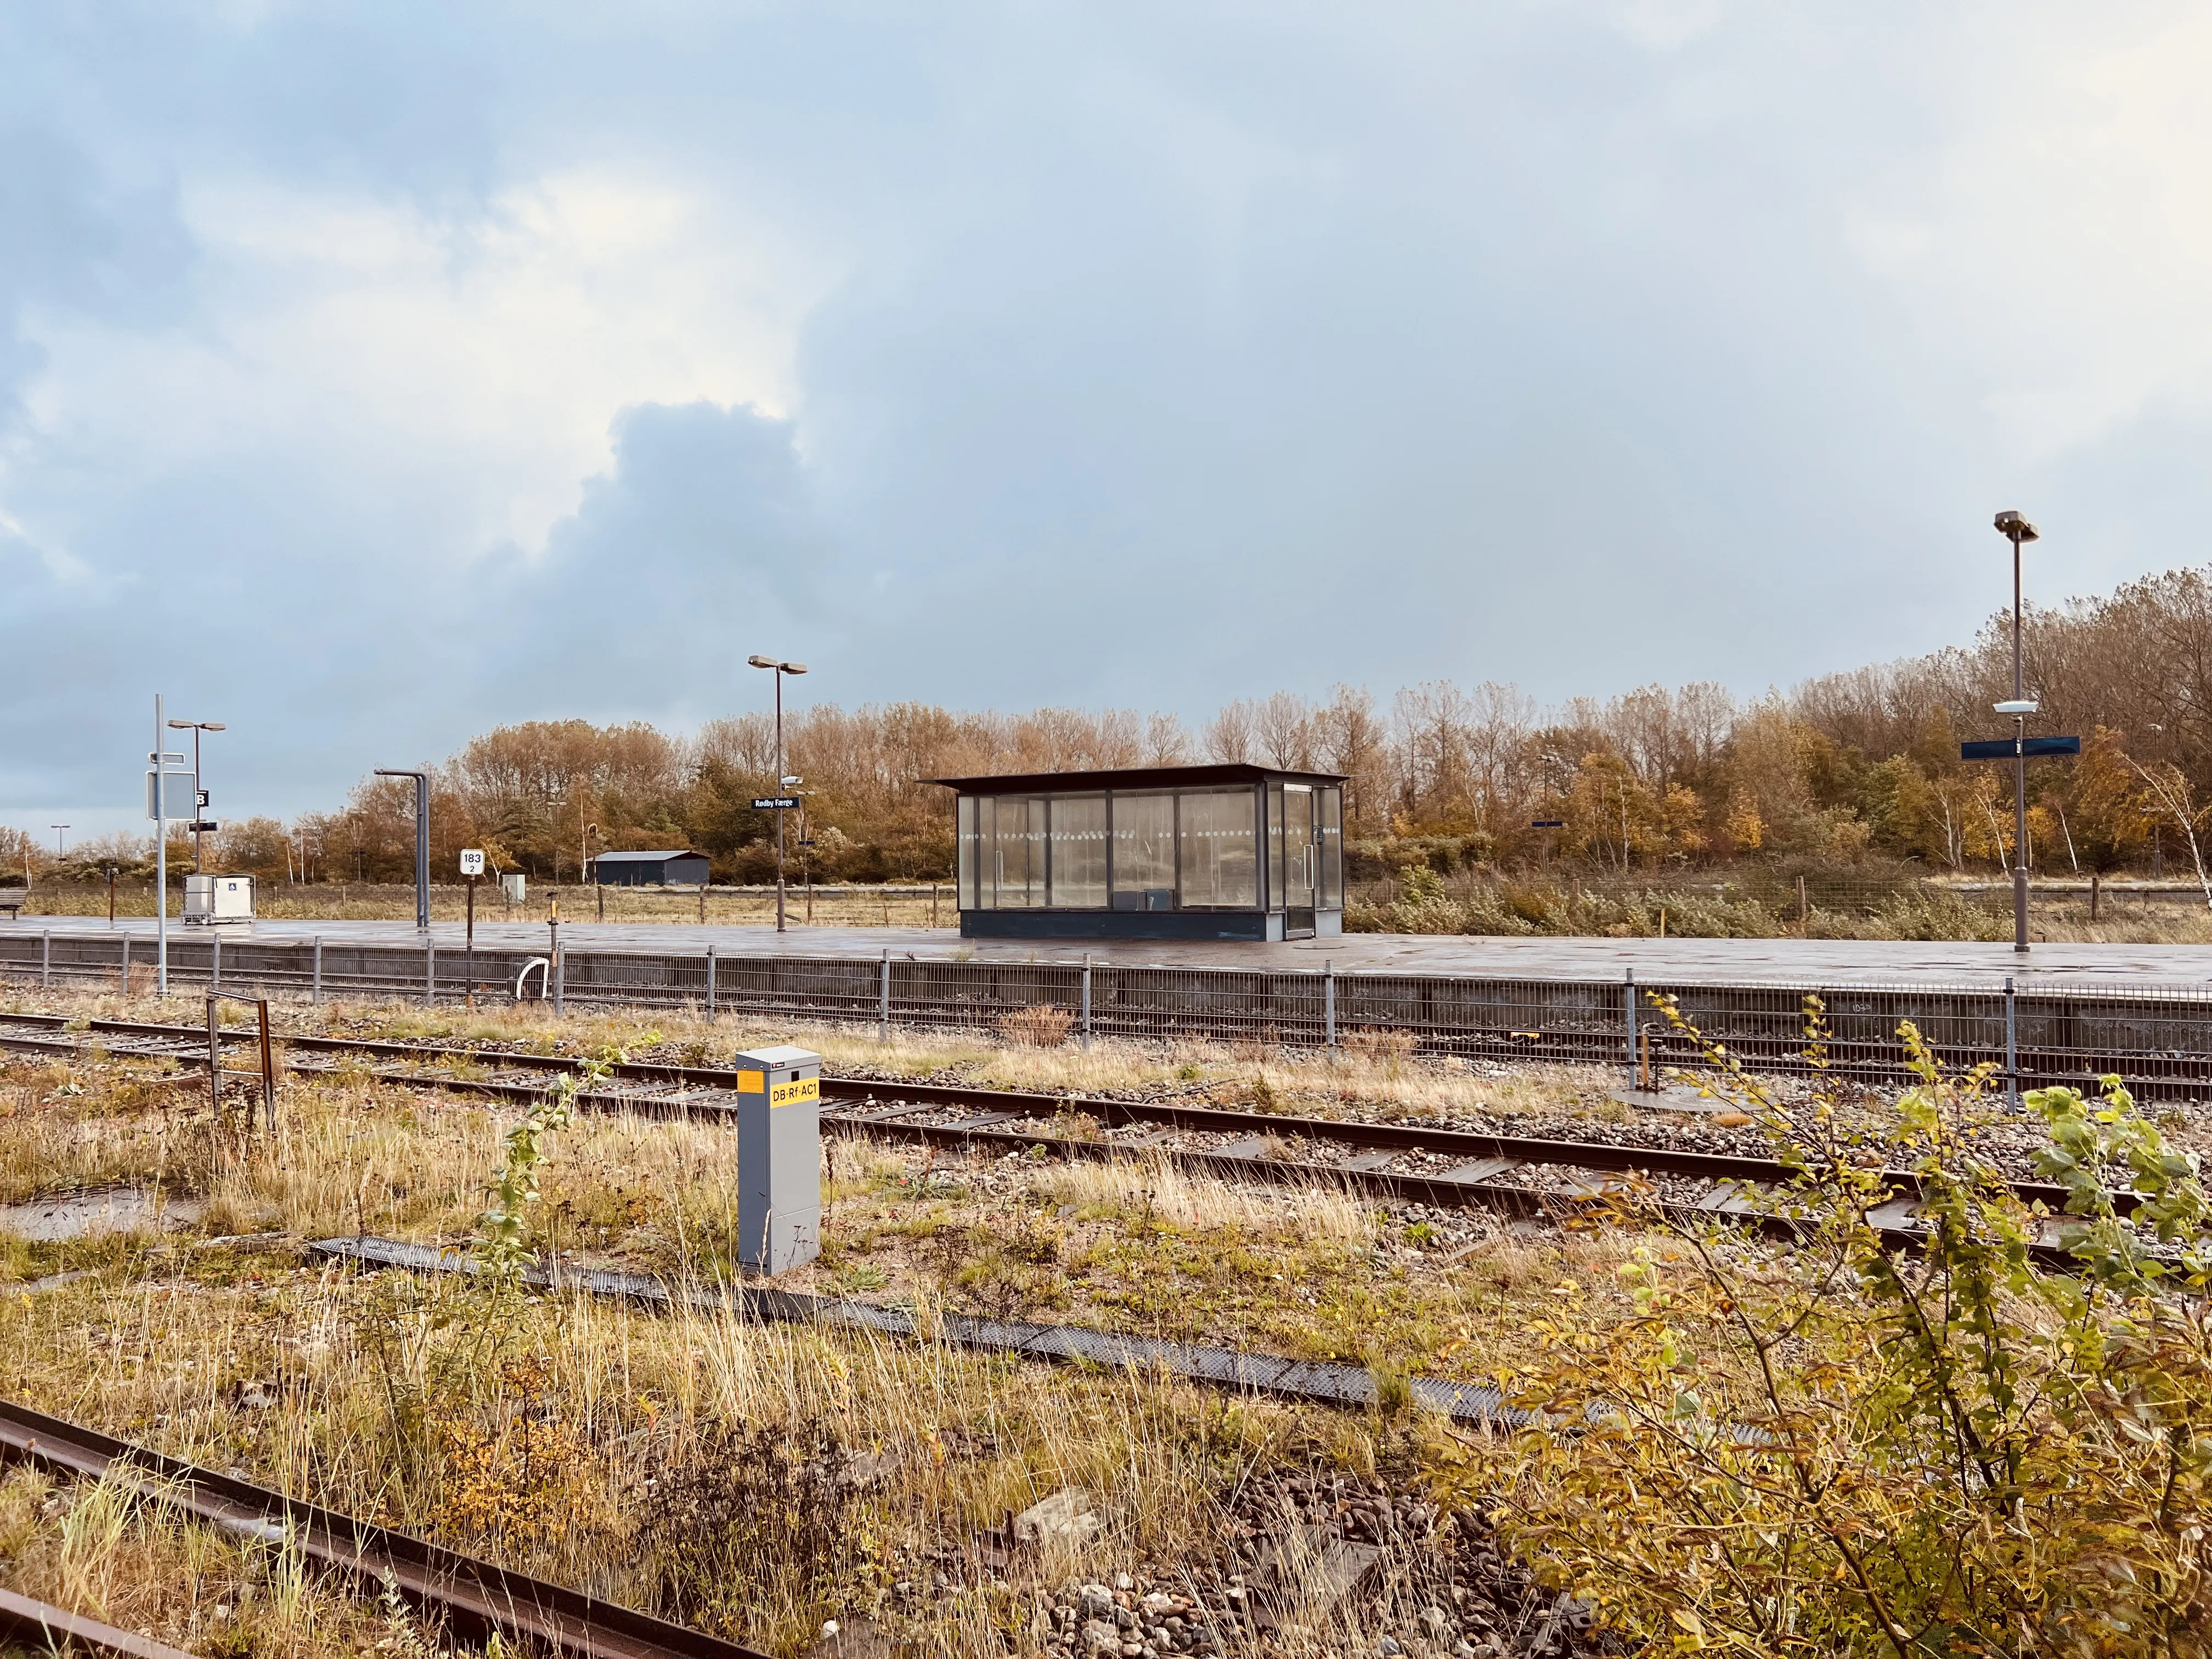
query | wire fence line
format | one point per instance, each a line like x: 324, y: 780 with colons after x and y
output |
x: 2156, y: 1035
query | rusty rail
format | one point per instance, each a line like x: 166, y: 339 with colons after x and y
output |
x: 476, y: 1596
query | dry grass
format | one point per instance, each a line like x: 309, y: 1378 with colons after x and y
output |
x: 544, y: 1431
x: 338, y: 902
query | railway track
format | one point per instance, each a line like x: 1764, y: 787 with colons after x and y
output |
x: 474, y: 1595
x: 1410, y: 1163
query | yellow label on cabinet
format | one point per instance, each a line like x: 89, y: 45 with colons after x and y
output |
x: 751, y: 1083
x: 790, y: 1094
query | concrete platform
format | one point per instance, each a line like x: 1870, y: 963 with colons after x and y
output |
x: 1787, y: 962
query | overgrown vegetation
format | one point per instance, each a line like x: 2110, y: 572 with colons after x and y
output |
x: 1843, y: 1447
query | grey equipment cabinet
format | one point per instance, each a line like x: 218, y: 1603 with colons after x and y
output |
x: 779, y: 1157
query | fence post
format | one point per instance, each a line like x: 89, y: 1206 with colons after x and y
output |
x: 127, y: 964
x: 46, y: 958
x: 1329, y: 1001
x: 315, y: 985
x: 215, y: 1057
x: 710, y: 979
x: 214, y: 966
x: 883, y: 1009
x: 1086, y: 988
x: 429, y: 973
x: 1628, y: 1009
x: 2012, y: 1045
x: 559, y: 978
x: 268, y: 1073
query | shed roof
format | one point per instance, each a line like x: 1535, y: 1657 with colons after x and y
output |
x: 1130, y: 777
x: 645, y: 857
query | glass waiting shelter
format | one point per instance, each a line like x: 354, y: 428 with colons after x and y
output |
x: 1161, y: 852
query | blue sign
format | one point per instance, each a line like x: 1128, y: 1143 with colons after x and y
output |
x: 2006, y: 748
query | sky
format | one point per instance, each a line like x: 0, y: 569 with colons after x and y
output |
x: 371, y: 374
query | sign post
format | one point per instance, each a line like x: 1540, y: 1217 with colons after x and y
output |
x: 2018, y: 749
x: 472, y: 867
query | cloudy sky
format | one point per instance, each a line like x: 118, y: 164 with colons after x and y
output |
x: 373, y: 374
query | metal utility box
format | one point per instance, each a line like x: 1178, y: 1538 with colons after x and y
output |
x: 218, y: 898
x: 779, y: 1157
x: 516, y: 887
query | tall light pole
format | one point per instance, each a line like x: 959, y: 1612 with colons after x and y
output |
x: 199, y: 806
x: 2016, y: 530
x: 58, y: 829
x: 779, y: 669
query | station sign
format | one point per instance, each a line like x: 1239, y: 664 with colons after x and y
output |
x: 2007, y: 748
x: 785, y: 802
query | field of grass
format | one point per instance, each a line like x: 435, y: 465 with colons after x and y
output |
x: 759, y: 1481
x: 337, y: 901
x: 548, y: 1431
x: 2060, y: 914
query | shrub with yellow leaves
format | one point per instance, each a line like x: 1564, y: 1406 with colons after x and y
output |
x: 1843, y: 1447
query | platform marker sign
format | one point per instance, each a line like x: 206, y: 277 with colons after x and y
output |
x: 2007, y: 748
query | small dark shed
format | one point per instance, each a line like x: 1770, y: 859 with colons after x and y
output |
x: 650, y: 869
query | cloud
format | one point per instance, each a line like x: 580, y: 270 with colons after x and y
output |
x: 702, y: 544
x: 377, y: 377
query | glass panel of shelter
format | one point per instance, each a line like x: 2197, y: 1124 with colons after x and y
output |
x: 1144, y: 850
x: 964, y: 874
x: 1328, y: 799
x: 1078, y: 852
x: 1219, y: 868
x: 1299, y: 860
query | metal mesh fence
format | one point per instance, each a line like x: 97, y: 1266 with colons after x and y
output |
x: 2156, y: 1036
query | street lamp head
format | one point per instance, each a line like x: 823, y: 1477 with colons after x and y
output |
x: 758, y: 661
x: 2016, y: 528
x: 795, y: 667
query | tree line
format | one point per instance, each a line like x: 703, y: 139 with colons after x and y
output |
x: 1844, y: 768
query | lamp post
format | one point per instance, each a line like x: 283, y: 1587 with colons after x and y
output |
x: 59, y: 830
x: 199, y: 805
x: 779, y: 669
x: 2017, y: 529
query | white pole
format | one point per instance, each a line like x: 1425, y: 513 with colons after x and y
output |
x: 315, y: 990
x: 710, y: 982
x: 161, y: 857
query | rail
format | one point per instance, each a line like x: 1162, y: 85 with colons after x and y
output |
x: 476, y: 1594
x: 2157, y: 1036
x: 1409, y: 1162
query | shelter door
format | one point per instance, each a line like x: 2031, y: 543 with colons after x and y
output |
x: 1301, y: 860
